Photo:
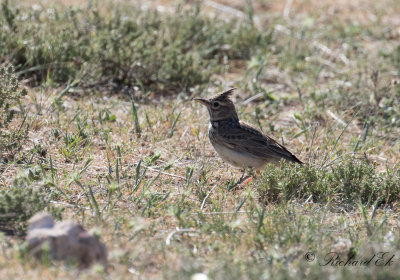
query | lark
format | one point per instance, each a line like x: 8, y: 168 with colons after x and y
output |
x: 238, y: 143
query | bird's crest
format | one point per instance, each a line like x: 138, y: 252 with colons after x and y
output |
x: 224, y: 95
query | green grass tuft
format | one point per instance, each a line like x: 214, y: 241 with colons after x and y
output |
x: 11, y: 135
x: 20, y: 202
x: 346, y: 184
x: 123, y: 48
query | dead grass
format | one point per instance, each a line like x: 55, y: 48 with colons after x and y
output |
x: 308, y: 104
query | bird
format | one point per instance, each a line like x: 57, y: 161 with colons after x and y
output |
x: 237, y: 142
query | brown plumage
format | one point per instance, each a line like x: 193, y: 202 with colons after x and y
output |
x: 238, y: 143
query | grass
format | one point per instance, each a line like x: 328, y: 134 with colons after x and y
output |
x: 10, y: 98
x: 124, y: 50
x: 21, y: 201
x: 138, y: 168
x: 348, y: 183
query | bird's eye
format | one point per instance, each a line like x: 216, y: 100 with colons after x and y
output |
x: 215, y: 104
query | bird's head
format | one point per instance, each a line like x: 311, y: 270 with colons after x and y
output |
x: 220, y: 106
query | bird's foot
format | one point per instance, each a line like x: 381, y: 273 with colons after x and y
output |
x: 246, y: 180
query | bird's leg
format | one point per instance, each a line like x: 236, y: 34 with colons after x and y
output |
x: 248, y: 178
x: 244, y: 180
x: 237, y: 183
x: 255, y: 172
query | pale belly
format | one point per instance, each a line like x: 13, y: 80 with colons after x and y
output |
x: 238, y: 159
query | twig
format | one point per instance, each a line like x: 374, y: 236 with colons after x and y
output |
x: 330, y: 53
x: 222, y: 213
x: 8, y: 215
x: 254, y: 97
x: 162, y: 172
x: 204, y: 200
x: 67, y: 204
x: 169, y: 237
x: 308, y: 199
x: 286, y: 10
x: 165, y: 173
x: 226, y: 9
x: 336, y: 118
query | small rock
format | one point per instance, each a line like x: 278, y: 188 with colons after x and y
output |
x: 67, y: 240
x: 41, y: 220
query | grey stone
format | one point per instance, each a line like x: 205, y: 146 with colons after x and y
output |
x: 65, y: 241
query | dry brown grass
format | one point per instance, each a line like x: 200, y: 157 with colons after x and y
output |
x: 136, y: 235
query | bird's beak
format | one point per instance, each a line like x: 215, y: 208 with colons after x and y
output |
x: 202, y: 101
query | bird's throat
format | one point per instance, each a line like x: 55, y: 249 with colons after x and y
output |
x: 225, y: 122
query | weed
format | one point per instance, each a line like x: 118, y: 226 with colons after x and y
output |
x: 346, y: 184
x: 140, y: 168
x: 128, y: 48
x: 21, y: 201
x: 11, y: 136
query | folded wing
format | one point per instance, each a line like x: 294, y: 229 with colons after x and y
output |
x: 255, y: 142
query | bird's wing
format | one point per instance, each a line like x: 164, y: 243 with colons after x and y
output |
x: 248, y: 139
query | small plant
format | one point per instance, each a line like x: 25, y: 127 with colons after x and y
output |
x: 20, y: 202
x: 347, y: 184
x: 11, y: 135
x: 125, y: 48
